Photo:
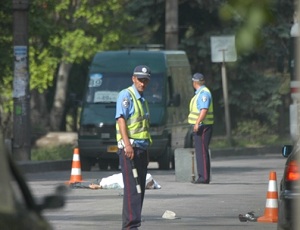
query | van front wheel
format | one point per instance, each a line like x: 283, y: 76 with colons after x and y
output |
x: 164, y: 160
x: 103, y: 164
x: 86, y: 164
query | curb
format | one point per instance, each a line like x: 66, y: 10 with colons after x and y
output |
x: 63, y: 165
x: 246, y: 151
x: 44, y: 166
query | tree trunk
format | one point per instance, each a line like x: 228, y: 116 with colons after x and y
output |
x: 57, y: 111
x: 40, y: 113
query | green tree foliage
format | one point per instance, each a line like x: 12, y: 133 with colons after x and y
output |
x: 5, y: 67
x: 42, y: 68
x: 261, y: 29
x: 249, y: 17
x: 261, y: 93
x: 87, y: 27
x: 60, y: 31
x: 262, y: 41
x: 149, y: 18
x: 72, y: 31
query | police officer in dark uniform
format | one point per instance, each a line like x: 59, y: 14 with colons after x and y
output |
x: 201, y: 118
x: 132, y: 126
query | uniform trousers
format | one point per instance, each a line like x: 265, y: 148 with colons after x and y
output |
x: 201, y: 140
x: 132, y: 200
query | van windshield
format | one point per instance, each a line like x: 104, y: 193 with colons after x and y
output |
x: 105, y: 87
x: 154, y: 92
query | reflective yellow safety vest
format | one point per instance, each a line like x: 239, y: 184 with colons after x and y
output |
x: 138, y: 124
x: 194, y: 112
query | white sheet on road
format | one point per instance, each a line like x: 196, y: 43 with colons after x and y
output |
x: 116, y: 181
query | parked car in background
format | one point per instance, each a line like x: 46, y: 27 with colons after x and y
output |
x: 18, y: 208
x: 289, y: 189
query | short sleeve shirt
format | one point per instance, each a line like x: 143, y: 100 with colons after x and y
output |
x: 204, y: 98
x: 124, y: 107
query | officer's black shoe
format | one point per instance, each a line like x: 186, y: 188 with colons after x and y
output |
x: 200, y: 182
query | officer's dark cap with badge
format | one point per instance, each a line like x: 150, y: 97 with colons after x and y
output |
x: 142, y: 71
x: 198, y: 77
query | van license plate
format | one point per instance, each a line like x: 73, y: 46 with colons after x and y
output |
x: 112, y: 148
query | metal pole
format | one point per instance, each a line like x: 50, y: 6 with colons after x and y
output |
x: 226, y: 103
x: 193, y: 166
x: 171, y: 23
x: 21, y: 97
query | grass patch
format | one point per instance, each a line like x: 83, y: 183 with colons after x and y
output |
x: 62, y: 152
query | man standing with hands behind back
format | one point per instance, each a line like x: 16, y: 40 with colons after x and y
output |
x: 132, y: 128
x: 201, y: 118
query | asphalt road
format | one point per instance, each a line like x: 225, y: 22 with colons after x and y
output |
x: 239, y: 185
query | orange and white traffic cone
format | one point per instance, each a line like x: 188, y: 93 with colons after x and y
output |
x: 271, y: 210
x: 76, y: 168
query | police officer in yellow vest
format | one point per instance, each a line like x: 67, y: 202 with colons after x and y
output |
x: 201, y: 118
x: 132, y: 127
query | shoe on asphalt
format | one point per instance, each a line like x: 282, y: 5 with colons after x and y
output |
x: 247, y: 217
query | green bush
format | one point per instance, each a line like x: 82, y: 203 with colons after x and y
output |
x: 250, y: 133
x: 62, y: 152
x: 253, y: 133
x: 251, y: 128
